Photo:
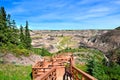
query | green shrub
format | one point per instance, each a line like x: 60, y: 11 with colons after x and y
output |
x: 45, y: 52
x: 41, y: 51
x: 113, y: 71
x: 36, y: 50
x: 102, y: 72
x: 82, y: 67
x: 19, y: 52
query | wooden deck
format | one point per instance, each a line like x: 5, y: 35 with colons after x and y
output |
x: 56, y: 69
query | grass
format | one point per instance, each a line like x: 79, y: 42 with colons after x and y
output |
x: 14, y: 72
x: 65, y: 40
x: 82, y: 67
x: 37, y: 50
x: 41, y: 51
x: 14, y: 49
x: 83, y: 55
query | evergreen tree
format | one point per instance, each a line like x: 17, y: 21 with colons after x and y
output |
x: 14, y: 32
x: 27, y: 36
x: 13, y: 24
x: 9, y: 20
x: 3, y: 16
x: 8, y: 35
x: 3, y: 27
x: 22, y: 40
x: 118, y: 28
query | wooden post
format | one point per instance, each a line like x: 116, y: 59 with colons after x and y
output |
x: 83, y: 77
x: 52, y: 62
x: 43, y: 63
x: 70, y: 65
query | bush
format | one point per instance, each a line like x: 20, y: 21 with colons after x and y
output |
x: 82, y: 67
x: 102, y: 72
x: 113, y: 71
x: 19, y: 52
x: 36, y: 51
x: 41, y: 51
x: 45, y: 52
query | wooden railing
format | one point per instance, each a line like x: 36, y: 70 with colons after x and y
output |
x: 38, y: 71
x: 76, y: 73
x: 50, y: 75
x: 42, y: 72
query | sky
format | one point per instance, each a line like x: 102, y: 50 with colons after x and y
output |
x: 64, y: 14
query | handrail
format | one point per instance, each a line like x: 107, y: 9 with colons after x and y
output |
x: 51, y: 74
x: 41, y: 68
x: 78, y: 74
x: 35, y: 71
x: 44, y: 71
x: 39, y: 64
x: 81, y: 73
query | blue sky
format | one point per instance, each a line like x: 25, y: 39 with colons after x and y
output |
x: 65, y: 14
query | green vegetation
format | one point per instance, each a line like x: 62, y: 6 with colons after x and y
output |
x: 15, y: 72
x: 27, y: 37
x: 114, y: 56
x: 103, y: 72
x: 13, y: 40
x: 64, y: 42
x: 17, y: 42
x: 95, y: 63
x: 95, y: 69
x: 82, y: 67
x: 84, y: 54
x: 118, y: 28
x: 41, y: 51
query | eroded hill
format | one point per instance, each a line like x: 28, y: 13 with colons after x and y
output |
x: 58, y: 40
x: 54, y: 41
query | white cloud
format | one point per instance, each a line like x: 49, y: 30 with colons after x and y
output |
x: 84, y: 2
x: 71, y: 11
x: 116, y: 2
x: 17, y: 10
x: 101, y: 9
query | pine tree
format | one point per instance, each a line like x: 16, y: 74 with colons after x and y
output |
x: 27, y: 36
x: 13, y: 24
x: 3, y: 27
x: 9, y: 34
x: 8, y: 30
x: 14, y: 32
x: 3, y: 16
x: 9, y: 20
x: 22, y: 40
x: 118, y: 28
